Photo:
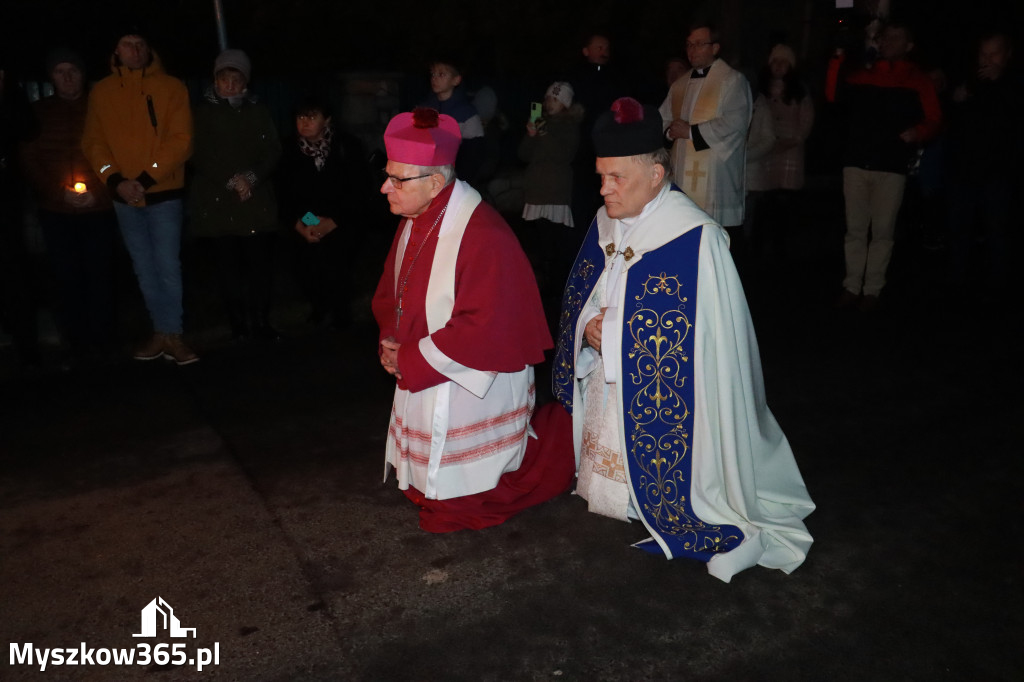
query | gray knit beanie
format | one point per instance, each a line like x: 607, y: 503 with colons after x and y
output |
x: 233, y: 59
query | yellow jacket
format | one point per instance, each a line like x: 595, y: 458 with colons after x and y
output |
x: 139, y: 127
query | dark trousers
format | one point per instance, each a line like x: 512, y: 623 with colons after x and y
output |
x: 245, y: 274
x: 552, y: 249
x: 81, y: 252
x: 17, y: 302
x: 979, y: 235
x: 324, y: 273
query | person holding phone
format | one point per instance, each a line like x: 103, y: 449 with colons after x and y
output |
x: 549, y: 148
x: 323, y: 182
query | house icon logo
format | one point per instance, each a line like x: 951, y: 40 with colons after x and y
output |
x: 159, y: 614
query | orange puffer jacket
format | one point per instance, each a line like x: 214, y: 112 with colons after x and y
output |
x: 139, y: 127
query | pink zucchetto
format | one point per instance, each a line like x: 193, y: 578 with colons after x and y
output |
x: 422, y: 137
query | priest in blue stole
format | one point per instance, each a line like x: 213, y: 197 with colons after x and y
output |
x: 657, y: 361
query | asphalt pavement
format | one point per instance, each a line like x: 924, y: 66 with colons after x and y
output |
x: 244, y: 494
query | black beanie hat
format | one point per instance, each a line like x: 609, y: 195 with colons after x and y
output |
x: 128, y: 28
x: 62, y: 55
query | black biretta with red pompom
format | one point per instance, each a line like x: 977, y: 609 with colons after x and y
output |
x: 628, y: 129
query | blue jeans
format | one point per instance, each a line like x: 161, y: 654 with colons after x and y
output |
x: 152, y: 235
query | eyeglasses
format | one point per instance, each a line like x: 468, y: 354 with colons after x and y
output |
x: 694, y: 46
x: 396, y: 181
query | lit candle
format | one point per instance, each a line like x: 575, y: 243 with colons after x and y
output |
x: 80, y: 187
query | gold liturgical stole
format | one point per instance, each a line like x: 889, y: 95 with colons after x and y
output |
x: 697, y: 164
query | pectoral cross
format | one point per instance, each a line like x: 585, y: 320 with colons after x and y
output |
x: 695, y: 175
x: 398, y: 308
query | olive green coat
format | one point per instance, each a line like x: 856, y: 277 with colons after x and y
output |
x: 230, y: 140
x: 549, y: 156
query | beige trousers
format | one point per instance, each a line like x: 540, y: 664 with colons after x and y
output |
x: 873, y: 201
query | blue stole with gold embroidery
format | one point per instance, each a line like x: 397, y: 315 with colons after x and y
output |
x: 658, y: 317
x: 659, y: 312
x: 585, y: 273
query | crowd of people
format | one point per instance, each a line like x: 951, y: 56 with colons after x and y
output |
x: 689, y: 186
x: 134, y: 157
x: 660, y: 413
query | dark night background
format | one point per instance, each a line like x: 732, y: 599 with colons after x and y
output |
x: 525, y: 41
x: 246, y: 489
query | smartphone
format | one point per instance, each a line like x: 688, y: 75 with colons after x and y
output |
x: 536, y: 111
x: 310, y: 220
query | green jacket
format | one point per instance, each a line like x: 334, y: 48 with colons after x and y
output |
x: 228, y: 141
x: 549, y: 155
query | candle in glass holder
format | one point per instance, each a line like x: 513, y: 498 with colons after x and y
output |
x: 80, y: 187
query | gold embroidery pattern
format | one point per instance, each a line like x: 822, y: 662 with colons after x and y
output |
x: 603, y: 461
x: 572, y: 303
x: 659, y: 442
x: 610, y: 251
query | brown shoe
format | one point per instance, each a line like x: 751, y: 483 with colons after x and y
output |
x: 847, y: 299
x: 175, y: 349
x: 151, y: 349
x: 868, y: 304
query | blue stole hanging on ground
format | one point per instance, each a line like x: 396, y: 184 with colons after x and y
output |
x: 659, y: 312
